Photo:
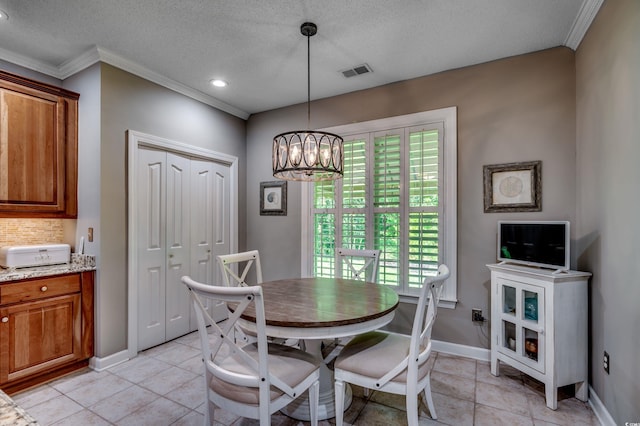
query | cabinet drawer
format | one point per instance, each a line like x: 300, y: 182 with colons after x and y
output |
x: 39, y: 289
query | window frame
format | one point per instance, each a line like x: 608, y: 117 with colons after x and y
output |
x: 448, y: 119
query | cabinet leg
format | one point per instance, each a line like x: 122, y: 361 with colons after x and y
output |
x: 551, y: 395
x: 582, y: 391
x: 495, y: 366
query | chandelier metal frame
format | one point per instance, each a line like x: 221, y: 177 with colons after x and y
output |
x: 308, y: 155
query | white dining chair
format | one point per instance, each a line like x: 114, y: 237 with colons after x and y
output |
x: 357, y: 264
x: 228, y: 263
x: 354, y: 264
x: 233, y: 278
x: 251, y: 380
x: 391, y: 362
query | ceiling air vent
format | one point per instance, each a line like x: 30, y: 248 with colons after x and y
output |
x: 357, y: 70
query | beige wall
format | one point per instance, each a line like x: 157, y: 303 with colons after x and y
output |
x: 130, y: 102
x: 608, y: 201
x: 516, y: 109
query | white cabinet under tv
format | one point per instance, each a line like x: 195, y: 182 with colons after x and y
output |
x: 539, y: 325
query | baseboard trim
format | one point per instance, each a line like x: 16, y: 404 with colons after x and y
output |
x: 599, y: 409
x: 101, y: 364
x: 480, y: 354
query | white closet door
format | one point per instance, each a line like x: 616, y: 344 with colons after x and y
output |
x: 151, y: 248
x: 183, y: 223
x: 208, y: 214
x: 178, y: 245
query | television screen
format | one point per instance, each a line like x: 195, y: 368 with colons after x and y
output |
x: 544, y: 244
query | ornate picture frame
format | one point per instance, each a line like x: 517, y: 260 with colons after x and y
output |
x: 273, y: 198
x: 513, y: 187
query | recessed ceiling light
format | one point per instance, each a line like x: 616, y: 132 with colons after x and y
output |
x: 219, y: 83
x: 3, y: 15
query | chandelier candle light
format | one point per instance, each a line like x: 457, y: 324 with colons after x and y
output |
x: 307, y: 155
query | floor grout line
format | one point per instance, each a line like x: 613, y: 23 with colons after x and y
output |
x: 451, y: 368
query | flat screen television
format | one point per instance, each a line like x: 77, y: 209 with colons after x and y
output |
x: 543, y: 243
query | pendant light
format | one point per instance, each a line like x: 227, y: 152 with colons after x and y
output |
x: 307, y: 155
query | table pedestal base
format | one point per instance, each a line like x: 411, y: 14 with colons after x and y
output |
x: 299, y: 409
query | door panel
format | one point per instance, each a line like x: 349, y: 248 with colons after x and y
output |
x: 40, y: 336
x: 204, y: 178
x: 221, y: 225
x: 151, y: 248
x: 31, y: 138
x: 178, y: 237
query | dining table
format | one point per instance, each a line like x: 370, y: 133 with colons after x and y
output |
x: 314, y: 309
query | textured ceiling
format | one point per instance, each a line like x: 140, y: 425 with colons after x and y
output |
x: 257, y: 47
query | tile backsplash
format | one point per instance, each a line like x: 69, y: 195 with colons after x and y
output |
x: 15, y: 232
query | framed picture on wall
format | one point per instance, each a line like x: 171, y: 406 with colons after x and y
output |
x: 513, y: 187
x: 273, y: 198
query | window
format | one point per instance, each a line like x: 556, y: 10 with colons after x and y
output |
x: 398, y: 195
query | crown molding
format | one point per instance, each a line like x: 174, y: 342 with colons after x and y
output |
x: 77, y: 64
x: 137, y: 69
x: 98, y: 54
x: 583, y: 21
x: 26, y: 62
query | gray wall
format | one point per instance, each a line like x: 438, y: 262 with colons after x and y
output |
x: 516, y: 109
x: 130, y: 102
x: 87, y: 83
x: 608, y: 151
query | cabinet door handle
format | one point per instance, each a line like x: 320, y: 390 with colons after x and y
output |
x: 5, y: 319
x: 43, y: 288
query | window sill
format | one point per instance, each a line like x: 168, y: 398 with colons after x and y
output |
x: 447, y: 304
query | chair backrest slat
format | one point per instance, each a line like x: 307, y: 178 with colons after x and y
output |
x: 426, y: 312
x: 229, y: 262
x: 361, y: 264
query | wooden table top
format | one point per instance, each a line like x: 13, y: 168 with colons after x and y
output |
x: 323, y: 302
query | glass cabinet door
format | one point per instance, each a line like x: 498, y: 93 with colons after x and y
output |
x: 530, y: 336
x: 522, y: 319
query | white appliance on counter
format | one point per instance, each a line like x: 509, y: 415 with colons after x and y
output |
x: 36, y: 255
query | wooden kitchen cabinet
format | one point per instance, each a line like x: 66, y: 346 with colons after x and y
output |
x: 46, y: 328
x: 38, y: 149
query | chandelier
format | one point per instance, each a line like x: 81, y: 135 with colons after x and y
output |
x: 307, y: 155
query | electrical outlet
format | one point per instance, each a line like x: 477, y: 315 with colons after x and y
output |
x: 605, y: 362
x: 476, y: 315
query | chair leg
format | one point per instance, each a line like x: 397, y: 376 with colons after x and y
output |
x: 314, y: 400
x: 412, y: 409
x: 265, y: 416
x: 339, y: 391
x: 207, y: 415
x: 429, y: 399
x: 210, y: 407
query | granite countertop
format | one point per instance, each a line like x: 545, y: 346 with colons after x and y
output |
x: 12, y: 415
x: 79, y: 263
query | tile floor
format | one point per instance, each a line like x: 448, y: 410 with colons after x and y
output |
x: 163, y: 386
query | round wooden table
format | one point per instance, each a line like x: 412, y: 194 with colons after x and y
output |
x: 313, y: 309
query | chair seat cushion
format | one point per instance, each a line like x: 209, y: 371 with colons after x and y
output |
x: 289, y: 364
x: 375, y: 353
